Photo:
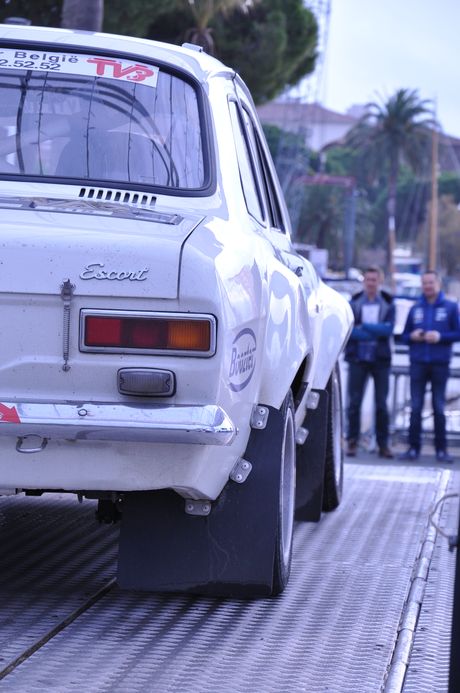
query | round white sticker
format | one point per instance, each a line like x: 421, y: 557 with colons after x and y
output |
x: 242, y: 359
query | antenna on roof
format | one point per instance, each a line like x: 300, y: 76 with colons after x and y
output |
x: 193, y: 47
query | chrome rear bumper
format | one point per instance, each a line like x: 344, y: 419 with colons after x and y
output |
x: 199, y: 425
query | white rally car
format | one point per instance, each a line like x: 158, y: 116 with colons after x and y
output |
x: 164, y: 349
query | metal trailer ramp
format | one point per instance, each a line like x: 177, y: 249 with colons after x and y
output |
x: 428, y: 669
x: 334, y: 628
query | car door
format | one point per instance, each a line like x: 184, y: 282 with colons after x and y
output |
x: 293, y: 287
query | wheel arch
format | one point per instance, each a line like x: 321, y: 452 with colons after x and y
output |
x: 287, y: 356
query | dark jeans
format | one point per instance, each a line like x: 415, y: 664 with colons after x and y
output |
x: 420, y: 375
x: 358, y: 373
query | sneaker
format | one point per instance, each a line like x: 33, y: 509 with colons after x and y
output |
x: 443, y: 456
x: 352, y: 448
x: 386, y: 452
x: 411, y: 454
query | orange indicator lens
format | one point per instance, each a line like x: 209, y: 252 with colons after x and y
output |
x: 189, y: 334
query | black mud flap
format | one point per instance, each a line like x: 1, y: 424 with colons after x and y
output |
x: 227, y: 553
x: 311, y: 459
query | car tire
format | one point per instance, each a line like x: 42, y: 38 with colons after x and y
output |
x: 286, y: 509
x: 241, y: 549
x: 333, y: 473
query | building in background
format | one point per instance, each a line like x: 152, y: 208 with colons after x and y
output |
x: 318, y: 125
x: 322, y: 127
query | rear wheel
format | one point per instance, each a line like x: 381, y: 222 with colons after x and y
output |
x: 242, y: 548
x: 333, y: 475
x: 283, y: 551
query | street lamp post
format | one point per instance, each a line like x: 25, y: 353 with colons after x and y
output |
x: 433, y: 237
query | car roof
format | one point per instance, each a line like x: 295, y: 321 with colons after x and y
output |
x: 190, y: 59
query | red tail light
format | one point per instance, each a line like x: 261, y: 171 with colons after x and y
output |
x: 147, y: 333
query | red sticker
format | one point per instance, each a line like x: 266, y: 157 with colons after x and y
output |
x: 133, y: 72
x: 8, y: 414
x: 80, y: 64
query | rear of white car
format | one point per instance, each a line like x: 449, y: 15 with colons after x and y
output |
x: 100, y: 352
x: 104, y: 353
x: 163, y: 343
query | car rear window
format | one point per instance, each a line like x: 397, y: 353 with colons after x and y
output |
x: 93, y: 117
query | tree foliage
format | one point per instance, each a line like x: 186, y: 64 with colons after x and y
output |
x: 449, y: 186
x: 392, y: 133
x: 449, y: 235
x: 413, y: 193
x: 43, y: 13
x: 134, y: 17
x: 321, y: 219
x: 203, y: 13
x: 272, y: 44
x: 289, y: 152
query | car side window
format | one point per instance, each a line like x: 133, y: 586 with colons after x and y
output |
x: 276, y: 215
x: 246, y: 166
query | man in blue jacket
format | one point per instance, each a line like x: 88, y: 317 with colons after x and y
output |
x: 431, y: 327
x: 369, y: 355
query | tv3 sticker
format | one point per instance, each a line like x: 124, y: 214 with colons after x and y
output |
x: 80, y: 64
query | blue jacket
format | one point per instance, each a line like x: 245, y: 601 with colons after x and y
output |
x: 442, y: 316
x: 376, y: 335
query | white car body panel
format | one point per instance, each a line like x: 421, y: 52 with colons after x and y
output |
x: 182, y: 254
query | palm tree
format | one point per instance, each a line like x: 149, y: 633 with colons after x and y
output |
x: 203, y: 12
x: 391, y: 133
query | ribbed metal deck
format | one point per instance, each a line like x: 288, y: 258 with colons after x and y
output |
x: 334, y: 629
x: 428, y: 669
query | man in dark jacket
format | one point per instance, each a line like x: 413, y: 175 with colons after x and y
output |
x: 431, y: 327
x: 368, y: 354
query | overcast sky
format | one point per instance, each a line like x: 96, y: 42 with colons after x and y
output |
x: 378, y: 46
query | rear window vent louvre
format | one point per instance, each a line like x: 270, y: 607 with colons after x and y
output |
x: 120, y: 196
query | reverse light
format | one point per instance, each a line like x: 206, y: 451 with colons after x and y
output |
x: 144, y: 332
